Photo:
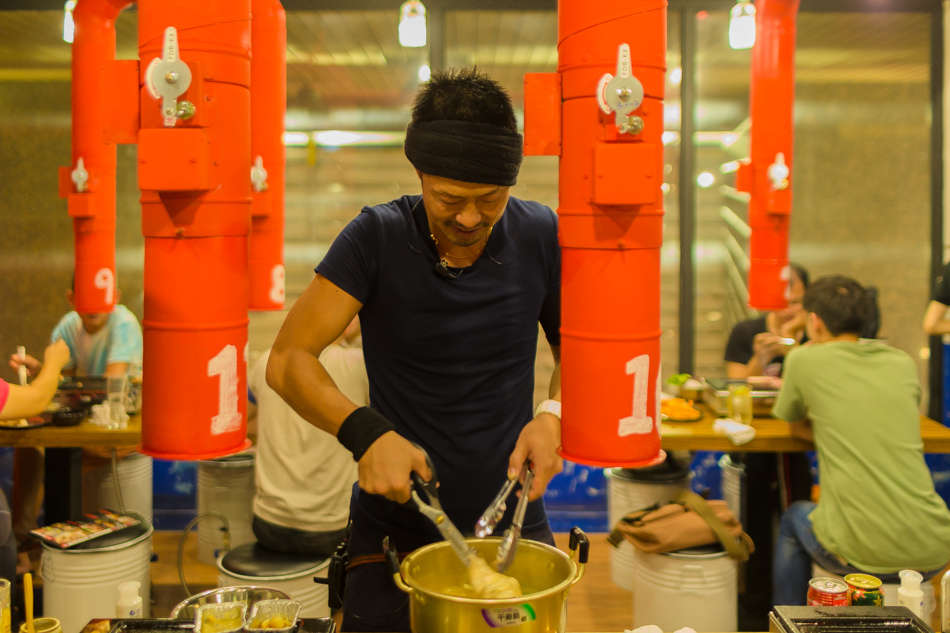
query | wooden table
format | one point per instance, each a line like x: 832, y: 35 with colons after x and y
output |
x: 771, y: 435
x: 63, y: 463
x: 85, y: 434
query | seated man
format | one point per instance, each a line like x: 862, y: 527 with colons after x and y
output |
x: 757, y: 347
x: 304, y: 476
x: 108, y: 343
x: 858, y: 402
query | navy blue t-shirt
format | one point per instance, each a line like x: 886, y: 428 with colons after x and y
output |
x: 451, y: 361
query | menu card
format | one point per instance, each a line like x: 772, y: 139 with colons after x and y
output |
x: 69, y: 533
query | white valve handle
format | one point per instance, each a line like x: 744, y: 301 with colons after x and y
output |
x: 80, y: 176
x: 621, y: 94
x: 778, y: 173
x: 167, y: 77
x: 258, y: 175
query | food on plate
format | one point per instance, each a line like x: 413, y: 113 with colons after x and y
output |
x: 15, y: 424
x: 679, y: 409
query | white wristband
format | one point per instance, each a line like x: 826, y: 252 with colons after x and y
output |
x: 549, y: 406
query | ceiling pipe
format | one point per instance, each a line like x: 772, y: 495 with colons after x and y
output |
x: 602, y: 113
x: 88, y: 184
x: 268, y: 108
x: 769, y: 174
x: 194, y: 165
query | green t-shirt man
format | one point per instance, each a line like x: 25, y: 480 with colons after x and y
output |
x: 878, y: 508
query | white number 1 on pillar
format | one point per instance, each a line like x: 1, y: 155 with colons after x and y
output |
x: 639, y: 422
x: 224, y: 365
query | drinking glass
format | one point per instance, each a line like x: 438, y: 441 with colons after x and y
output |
x: 116, y: 388
x: 740, y: 402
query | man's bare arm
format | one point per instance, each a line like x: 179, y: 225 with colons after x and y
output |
x: 294, y: 370
x: 802, y: 430
x: 935, y: 320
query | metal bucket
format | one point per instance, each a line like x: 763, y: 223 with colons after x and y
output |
x: 225, y: 485
x: 546, y: 575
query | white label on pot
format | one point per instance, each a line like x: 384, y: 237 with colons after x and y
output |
x: 509, y: 616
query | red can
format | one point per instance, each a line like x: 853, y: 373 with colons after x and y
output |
x: 828, y: 592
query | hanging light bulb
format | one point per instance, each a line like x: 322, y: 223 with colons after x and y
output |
x: 412, y: 24
x: 68, y: 26
x: 742, y: 25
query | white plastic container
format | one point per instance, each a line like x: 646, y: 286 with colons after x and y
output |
x: 79, y: 585
x: 687, y: 588
x: 129, y: 604
x: 909, y: 594
x: 299, y: 586
x: 135, y: 481
x: 627, y: 495
x: 225, y: 485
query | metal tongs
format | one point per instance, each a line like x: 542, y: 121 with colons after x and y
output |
x: 489, y: 520
x: 432, y: 509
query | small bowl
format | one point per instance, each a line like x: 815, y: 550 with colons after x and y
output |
x: 68, y: 417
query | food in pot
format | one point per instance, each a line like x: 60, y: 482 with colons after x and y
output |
x: 488, y: 583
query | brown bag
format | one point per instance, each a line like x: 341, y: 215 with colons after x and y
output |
x: 686, y: 521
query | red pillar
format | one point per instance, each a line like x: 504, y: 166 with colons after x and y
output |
x: 97, y: 88
x: 268, y: 107
x: 611, y: 222
x: 772, y: 97
x: 196, y: 199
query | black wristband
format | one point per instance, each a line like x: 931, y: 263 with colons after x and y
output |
x: 360, y: 429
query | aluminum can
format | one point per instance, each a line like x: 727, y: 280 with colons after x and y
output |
x: 828, y: 592
x: 865, y: 589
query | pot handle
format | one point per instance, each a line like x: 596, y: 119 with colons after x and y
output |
x: 578, y: 538
x: 392, y: 559
x: 578, y: 544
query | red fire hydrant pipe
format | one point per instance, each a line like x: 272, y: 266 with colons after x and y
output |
x: 771, y: 102
x: 91, y: 195
x: 268, y: 107
x: 611, y: 223
x: 194, y: 169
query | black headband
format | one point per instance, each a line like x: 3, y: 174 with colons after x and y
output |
x: 470, y: 152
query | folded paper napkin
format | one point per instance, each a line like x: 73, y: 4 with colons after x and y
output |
x: 737, y: 432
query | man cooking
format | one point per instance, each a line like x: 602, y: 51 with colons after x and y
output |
x: 450, y: 287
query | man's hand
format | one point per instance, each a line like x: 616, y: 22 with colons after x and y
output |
x: 767, y: 346
x: 33, y: 366
x: 56, y: 355
x: 385, y: 467
x: 795, y: 325
x: 538, y: 442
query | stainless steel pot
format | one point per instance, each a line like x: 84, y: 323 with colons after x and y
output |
x: 546, y: 575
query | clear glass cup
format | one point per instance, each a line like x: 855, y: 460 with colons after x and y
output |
x: 740, y: 402
x: 117, y: 391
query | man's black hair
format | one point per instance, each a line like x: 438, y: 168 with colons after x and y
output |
x: 464, y: 94
x: 800, y: 271
x: 841, y: 302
